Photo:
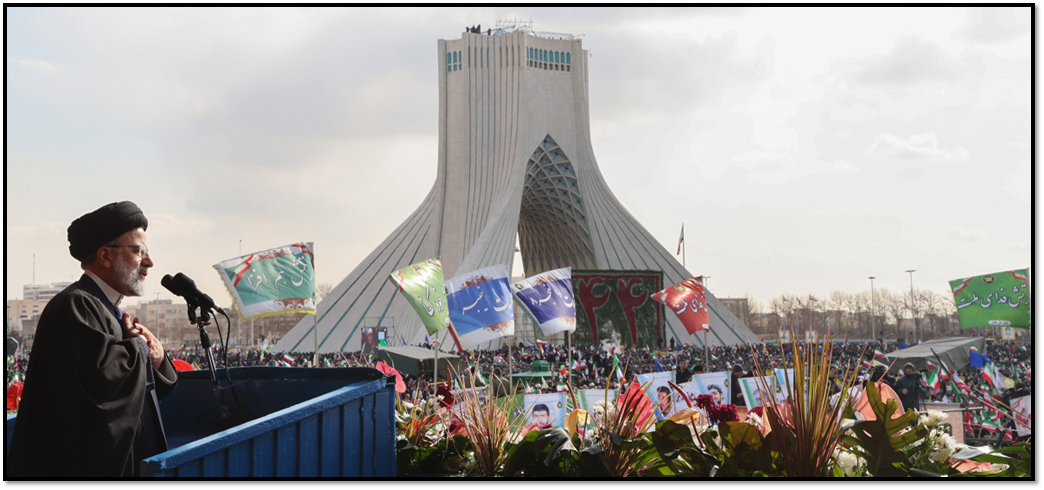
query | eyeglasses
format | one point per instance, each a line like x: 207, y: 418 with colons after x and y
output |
x: 140, y: 250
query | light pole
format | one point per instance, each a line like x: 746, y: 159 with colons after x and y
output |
x: 873, y: 312
x: 913, y: 312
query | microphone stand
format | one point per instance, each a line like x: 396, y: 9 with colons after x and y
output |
x: 202, y: 321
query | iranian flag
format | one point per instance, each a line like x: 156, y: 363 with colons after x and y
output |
x: 575, y: 366
x: 681, y: 239
x: 288, y: 358
x: 541, y: 343
x: 618, y: 368
x: 961, y: 384
x: 935, y: 380
x: 987, y: 376
x: 878, y: 354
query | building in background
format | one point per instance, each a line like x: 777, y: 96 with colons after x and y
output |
x: 43, y: 292
x: 22, y: 310
x: 515, y: 163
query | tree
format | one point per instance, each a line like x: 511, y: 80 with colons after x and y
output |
x: 322, y: 289
x: 837, y: 303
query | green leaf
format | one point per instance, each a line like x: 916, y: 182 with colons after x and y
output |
x: 881, y: 457
x: 552, y: 442
x: 838, y: 472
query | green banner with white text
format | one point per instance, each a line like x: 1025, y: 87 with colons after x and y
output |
x: 1001, y: 299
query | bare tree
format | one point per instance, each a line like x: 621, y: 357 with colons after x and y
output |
x: 754, y: 313
x: 778, y: 310
x: 837, y: 304
x: 322, y: 289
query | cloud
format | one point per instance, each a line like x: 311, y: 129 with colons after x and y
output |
x: 37, y: 65
x: 767, y: 167
x: 642, y: 83
x: 912, y: 60
x: 962, y: 235
x: 995, y: 25
x: 923, y: 147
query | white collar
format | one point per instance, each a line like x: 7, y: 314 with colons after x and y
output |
x: 113, y: 295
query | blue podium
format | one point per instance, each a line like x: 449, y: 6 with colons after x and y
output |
x: 280, y: 422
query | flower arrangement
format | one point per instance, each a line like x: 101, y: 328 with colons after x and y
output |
x: 811, y: 434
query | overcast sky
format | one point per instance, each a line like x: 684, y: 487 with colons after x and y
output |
x: 804, y: 148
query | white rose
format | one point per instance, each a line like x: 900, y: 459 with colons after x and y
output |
x: 848, y: 463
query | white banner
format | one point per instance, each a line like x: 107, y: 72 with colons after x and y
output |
x: 1022, y: 410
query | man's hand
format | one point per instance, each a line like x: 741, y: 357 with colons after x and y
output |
x: 905, y: 391
x: 135, y: 329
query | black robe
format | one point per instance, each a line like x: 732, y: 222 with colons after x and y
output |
x: 87, y: 407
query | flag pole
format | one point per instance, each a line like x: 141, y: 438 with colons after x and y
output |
x: 435, y: 372
x: 569, y: 372
x: 706, y: 353
x: 315, y: 329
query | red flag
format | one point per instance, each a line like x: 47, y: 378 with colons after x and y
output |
x: 400, y: 386
x: 14, y: 396
x: 180, y: 365
x: 681, y: 239
x: 688, y: 300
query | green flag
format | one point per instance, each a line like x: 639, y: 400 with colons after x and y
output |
x: 421, y: 284
x: 1001, y: 299
x: 271, y: 282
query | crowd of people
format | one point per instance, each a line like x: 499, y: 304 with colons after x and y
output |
x: 593, y: 368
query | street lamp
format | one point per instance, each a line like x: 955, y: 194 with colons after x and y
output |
x: 873, y: 312
x: 913, y: 313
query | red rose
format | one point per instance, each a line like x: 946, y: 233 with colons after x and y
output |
x: 705, y: 401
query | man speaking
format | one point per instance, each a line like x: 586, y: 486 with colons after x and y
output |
x: 90, y: 405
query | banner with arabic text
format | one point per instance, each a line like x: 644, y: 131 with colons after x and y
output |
x: 548, y: 299
x: 688, y: 300
x: 1001, y: 299
x: 271, y: 282
x: 421, y: 284
x: 480, y: 306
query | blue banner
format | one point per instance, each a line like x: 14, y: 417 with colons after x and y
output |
x: 548, y: 298
x: 480, y: 305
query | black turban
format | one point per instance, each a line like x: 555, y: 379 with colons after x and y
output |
x: 89, y: 232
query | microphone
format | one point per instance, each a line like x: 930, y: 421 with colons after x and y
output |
x: 189, y: 287
x: 185, y: 287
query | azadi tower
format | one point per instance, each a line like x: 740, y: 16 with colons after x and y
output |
x: 515, y: 159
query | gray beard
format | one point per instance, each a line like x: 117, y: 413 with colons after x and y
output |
x: 128, y: 277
